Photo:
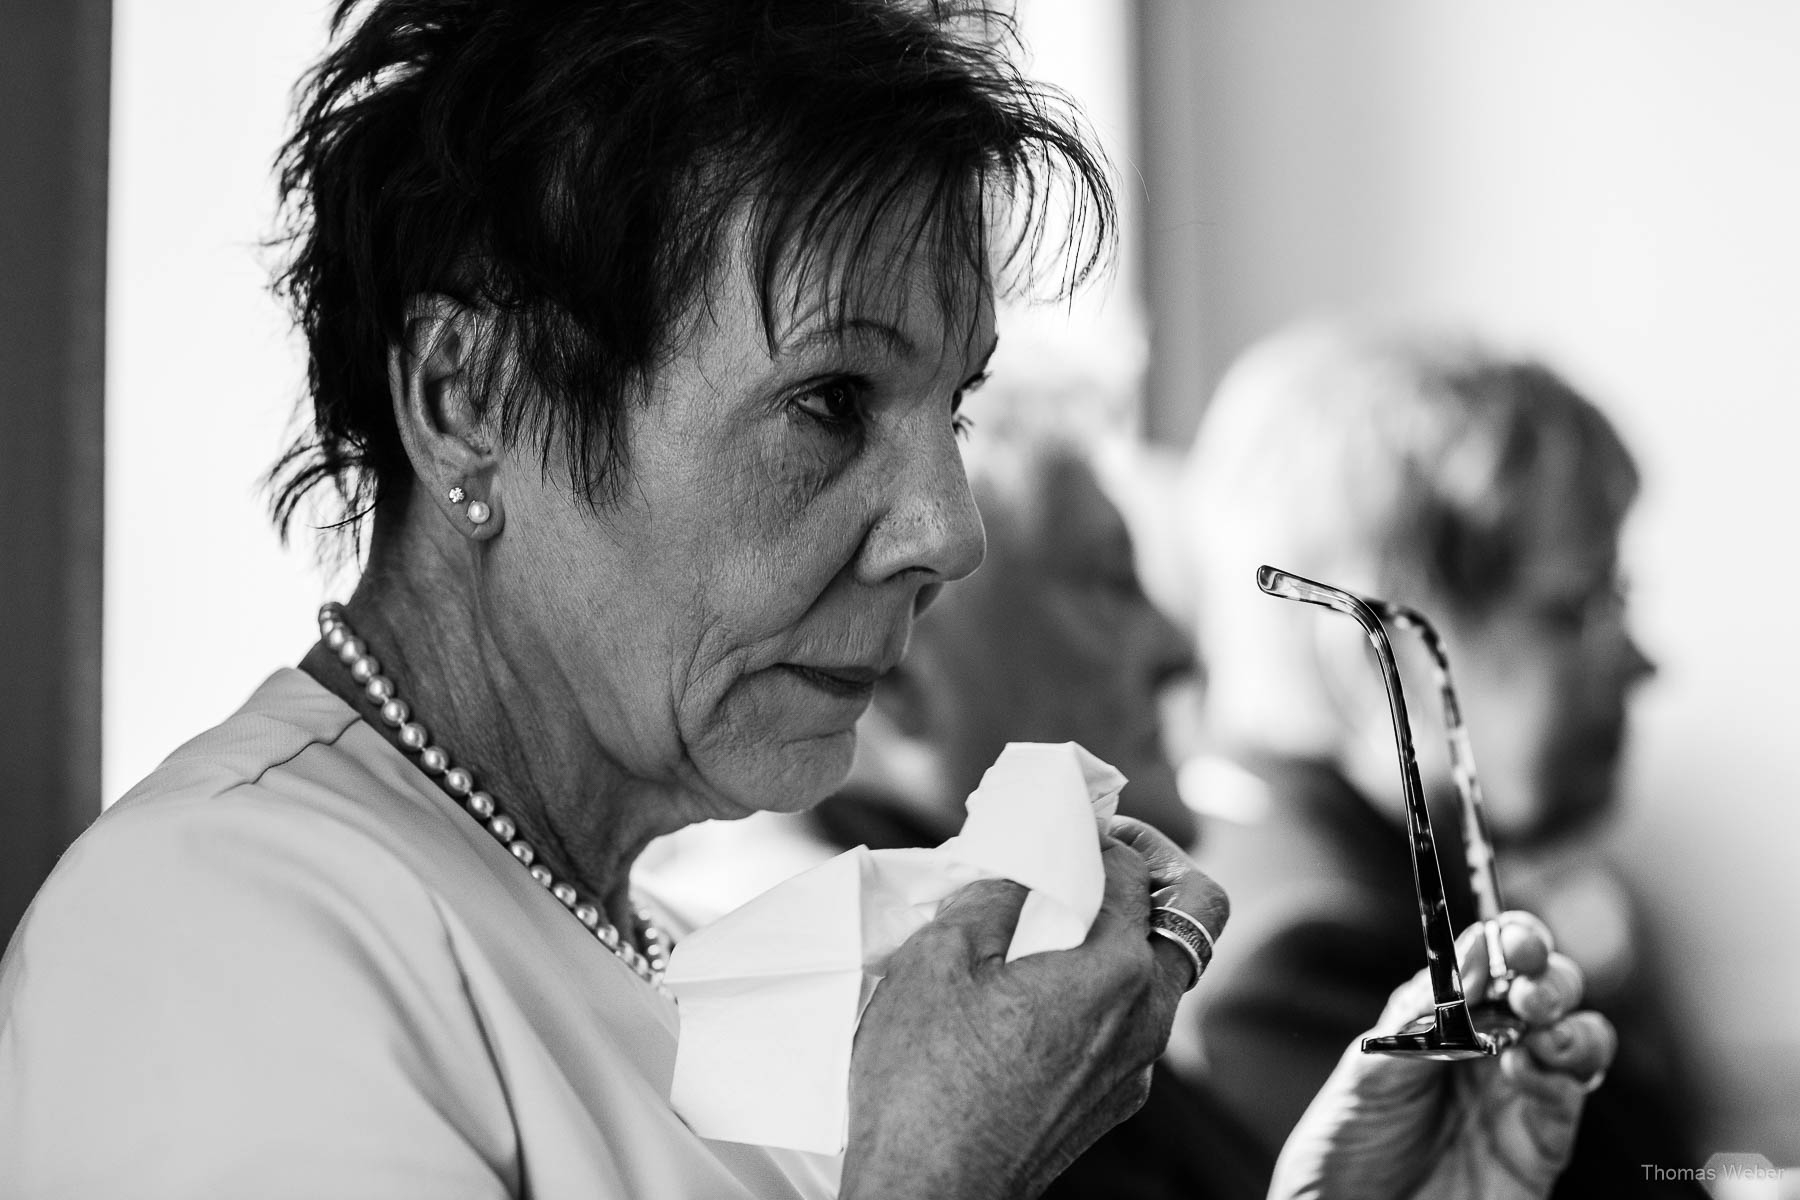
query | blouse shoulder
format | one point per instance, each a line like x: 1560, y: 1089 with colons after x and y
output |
x: 258, y: 829
x: 227, y: 958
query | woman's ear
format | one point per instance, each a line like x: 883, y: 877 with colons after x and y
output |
x: 435, y: 379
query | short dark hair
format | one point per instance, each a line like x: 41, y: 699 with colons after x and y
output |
x: 573, y: 167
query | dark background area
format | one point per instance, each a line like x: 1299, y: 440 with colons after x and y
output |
x: 54, y: 90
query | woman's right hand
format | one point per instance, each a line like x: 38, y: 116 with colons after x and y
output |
x: 1500, y: 1128
x: 975, y: 1077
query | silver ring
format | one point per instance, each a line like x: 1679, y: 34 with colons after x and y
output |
x: 1186, y: 932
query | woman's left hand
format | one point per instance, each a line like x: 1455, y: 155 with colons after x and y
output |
x: 973, y: 1076
x: 1504, y: 1127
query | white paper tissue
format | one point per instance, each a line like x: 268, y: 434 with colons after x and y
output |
x: 770, y: 994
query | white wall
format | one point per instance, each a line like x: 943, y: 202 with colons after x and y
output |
x: 1091, y: 348
x: 1614, y: 183
x: 201, y: 603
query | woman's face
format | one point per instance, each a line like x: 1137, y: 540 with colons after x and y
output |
x: 785, y: 514
x: 1546, y: 675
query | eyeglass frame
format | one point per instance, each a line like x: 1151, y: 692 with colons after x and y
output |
x: 1455, y: 1030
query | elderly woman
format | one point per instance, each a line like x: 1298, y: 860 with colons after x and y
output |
x: 1480, y: 487
x: 638, y: 332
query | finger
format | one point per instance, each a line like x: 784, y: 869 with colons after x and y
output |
x: 1125, y: 904
x: 1417, y: 996
x: 1524, y: 941
x: 1554, y: 1112
x: 1123, y: 924
x: 1471, y: 950
x: 1581, y: 1045
x: 1175, y: 880
x: 1167, y: 861
x: 1411, y: 999
x: 1406, y: 1003
x: 985, y: 913
x: 1583, y: 1051
x: 1178, y: 971
x: 1543, y: 998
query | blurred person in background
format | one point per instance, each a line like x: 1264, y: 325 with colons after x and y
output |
x: 1487, y: 493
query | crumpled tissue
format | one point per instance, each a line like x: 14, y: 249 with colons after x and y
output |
x: 771, y: 993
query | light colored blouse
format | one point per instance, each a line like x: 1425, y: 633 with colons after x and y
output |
x: 287, y: 964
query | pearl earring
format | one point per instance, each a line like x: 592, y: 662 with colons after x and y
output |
x: 479, y: 512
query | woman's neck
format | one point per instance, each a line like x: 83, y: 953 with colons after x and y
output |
x: 530, y: 748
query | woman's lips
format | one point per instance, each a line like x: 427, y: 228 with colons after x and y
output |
x: 846, y: 683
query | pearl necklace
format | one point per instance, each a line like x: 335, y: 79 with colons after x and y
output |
x: 365, y: 669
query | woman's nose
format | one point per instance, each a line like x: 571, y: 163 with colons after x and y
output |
x: 1171, y: 654
x: 1639, y: 666
x: 930, y: 529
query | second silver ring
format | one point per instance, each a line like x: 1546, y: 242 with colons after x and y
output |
x: 1182, y: 929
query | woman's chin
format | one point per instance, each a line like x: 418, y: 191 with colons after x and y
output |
x: 787, y: 741
x: 788, y: 776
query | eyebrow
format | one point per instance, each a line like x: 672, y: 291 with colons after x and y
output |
x: 885, y: 332
x: 834, y: 333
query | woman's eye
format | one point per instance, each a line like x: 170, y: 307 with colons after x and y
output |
x: 835, y: 402
x: 1563, y: 616
x: 1123, y: 586
x: 961, y: 425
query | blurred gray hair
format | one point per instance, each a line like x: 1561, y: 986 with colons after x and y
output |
x: 1402, y: 464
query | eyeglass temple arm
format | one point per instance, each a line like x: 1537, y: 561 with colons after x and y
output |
x: 1428, y: 881
x: 1478, y: 842
x: 1484, y: 878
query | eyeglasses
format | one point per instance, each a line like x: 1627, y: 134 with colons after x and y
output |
x: 1456, y: 1028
